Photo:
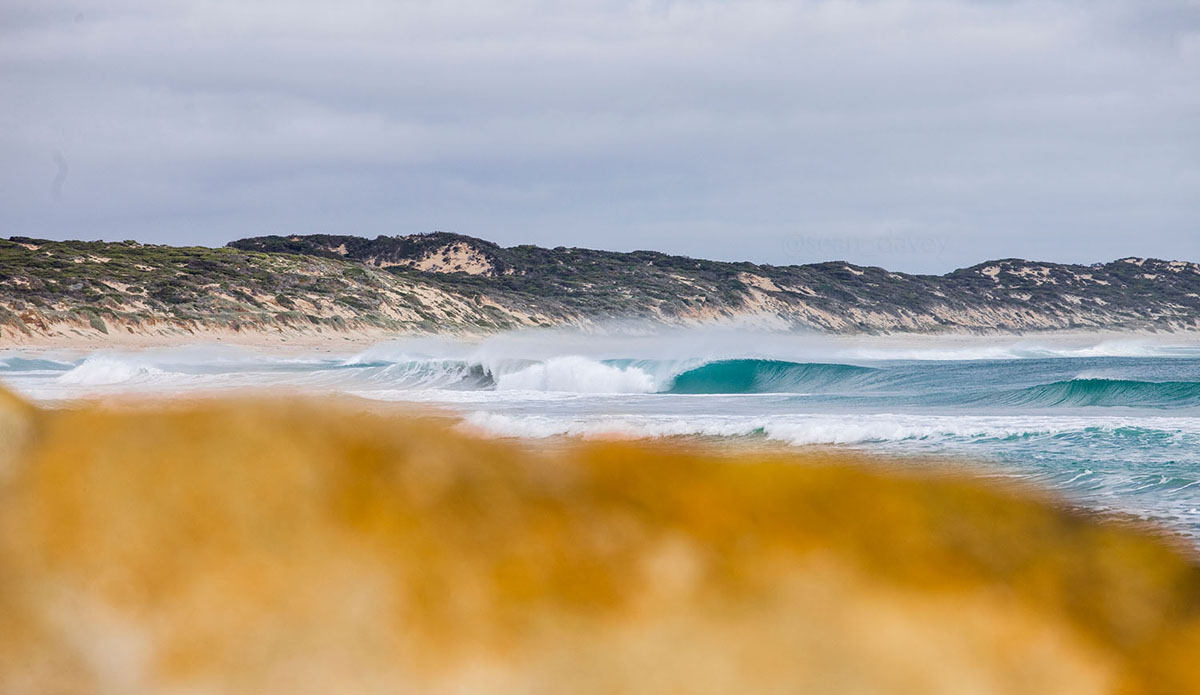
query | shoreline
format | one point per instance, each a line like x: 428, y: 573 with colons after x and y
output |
x: 258, y: 340
x: 334, y: 342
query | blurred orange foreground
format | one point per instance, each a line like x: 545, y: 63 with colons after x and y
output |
x: 272, y: 547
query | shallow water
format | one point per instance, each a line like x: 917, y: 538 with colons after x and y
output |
x: 1112, y: 425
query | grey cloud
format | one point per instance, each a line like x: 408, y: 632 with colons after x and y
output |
x: 921, y: 136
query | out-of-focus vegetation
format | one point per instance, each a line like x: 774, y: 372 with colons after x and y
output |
x: 449, y: 282
x: 270, y: 547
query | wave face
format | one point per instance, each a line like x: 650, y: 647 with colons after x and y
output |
x: 423, y: 374
x: 746, y: 376
x: 1109, y: 393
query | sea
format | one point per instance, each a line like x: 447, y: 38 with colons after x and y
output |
x: 1108, y: 423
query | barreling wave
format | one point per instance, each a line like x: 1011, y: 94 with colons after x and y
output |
x: 576, y: 374
x: 764, y: 376
x: 1108, y: 392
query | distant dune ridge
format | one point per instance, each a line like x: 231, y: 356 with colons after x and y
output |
x: 449, y: 283
x: 294, y: 547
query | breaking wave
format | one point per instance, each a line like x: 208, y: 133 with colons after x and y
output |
x: 103, y: 370
x: 1032, y: 384
x: 733, y: 376
x: 577, y: 375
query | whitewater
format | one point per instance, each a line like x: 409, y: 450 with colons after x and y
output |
x: 1112, y: 424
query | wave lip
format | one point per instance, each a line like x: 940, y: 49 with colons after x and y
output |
x: 763, y: 376
x: 1109, y: 392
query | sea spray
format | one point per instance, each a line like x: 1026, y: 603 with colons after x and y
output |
x: 576, y: 375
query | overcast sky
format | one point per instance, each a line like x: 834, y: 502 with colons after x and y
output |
x: 920, y: 135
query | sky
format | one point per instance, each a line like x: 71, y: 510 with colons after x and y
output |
x: 918, y: 135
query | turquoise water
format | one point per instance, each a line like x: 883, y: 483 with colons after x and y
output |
x: 1109, y: 428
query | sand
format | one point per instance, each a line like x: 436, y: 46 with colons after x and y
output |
x: 319, y: 342
x: 83, y: 341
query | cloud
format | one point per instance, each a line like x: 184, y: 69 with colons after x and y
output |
x: 762, y: 130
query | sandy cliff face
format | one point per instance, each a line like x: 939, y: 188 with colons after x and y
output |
x: 441, y: 283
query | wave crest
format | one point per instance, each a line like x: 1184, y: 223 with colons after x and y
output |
x: 576, y: 375
x: 104, y: 370
x: 1110, y: 392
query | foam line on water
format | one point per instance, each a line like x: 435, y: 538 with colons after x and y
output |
x: 828, y: 429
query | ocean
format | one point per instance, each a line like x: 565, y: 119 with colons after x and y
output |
x: 1109, y: 424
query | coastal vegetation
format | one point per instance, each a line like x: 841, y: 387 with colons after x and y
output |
x: 443, y: 282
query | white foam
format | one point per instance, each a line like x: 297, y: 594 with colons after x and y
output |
x: 802, y: 430
x: 106, y: 370
x: 576, y: 375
